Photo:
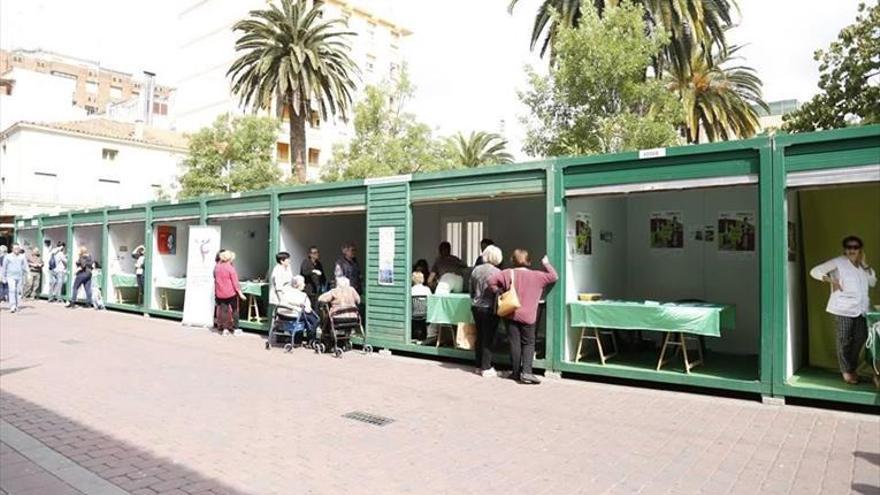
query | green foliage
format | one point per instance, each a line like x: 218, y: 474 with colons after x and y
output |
x: 596, y: 98
x: 388, y: 140
x: 293, y: 54
x: 480, y: 148
x: 231, y: 155
x: 718, y: 99
x: 849, y: 69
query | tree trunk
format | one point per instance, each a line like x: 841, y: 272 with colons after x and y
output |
x: 297, y: 143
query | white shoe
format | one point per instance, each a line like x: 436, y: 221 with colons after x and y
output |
x: 225, y: 332
x: 237, y: 331
x: 13, y: 310
x: 489, y: 373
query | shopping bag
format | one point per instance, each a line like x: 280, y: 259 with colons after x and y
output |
x: 508, y: 302
x: 466, y: 336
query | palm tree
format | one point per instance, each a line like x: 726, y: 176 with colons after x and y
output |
x: 293, y: 56
x: 480, y: 148
x: 718, y: 99
x: 689, y: 22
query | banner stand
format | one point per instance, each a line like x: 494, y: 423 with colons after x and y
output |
x: 198, y: 303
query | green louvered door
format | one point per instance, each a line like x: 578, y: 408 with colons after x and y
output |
x: 387, y: 305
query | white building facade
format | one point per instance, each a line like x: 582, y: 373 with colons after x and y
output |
x: 46, y: 168
x: 207, y: 49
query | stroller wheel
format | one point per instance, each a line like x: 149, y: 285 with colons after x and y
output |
x: 337, y: 352
x: 288, y: 348
x: 268, y: 346
x: 368, y: 349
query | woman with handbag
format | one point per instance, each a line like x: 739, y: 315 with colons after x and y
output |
x: 521, y: 289
x: 483, y: 308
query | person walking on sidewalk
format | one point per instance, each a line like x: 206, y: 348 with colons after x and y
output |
x: 84, y: 264
x: 35, y: 275
x: 57, y: 271
x: 14, y: 273
x: 529, y: 286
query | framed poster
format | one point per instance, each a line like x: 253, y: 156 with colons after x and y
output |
x: 583, y: 234
x: 736, y: 231
x: 667, y: 230
x: 198, y: 304
x: 166, y: 236
x: 386, y: 255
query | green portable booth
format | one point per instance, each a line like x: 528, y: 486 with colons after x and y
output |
x: 87, y: 228
x: 414, y: 214
x: 169, y: 224
x: 126, y: 231
x: 827, y: 186
x: 54, y: 229
x: 673, y: 242
x: 244, y: 229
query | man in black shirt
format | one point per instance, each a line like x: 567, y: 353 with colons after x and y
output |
x: 312, y: 270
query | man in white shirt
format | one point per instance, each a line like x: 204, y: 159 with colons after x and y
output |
x: 850, y: 277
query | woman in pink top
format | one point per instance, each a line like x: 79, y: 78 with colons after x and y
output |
x: 227, y: 292
x: 529, y: 285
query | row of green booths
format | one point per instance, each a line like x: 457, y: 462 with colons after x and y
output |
x: 733, y: 225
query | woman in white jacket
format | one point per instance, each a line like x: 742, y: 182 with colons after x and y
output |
x: 850, y: 277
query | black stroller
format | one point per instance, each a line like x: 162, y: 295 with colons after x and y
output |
x: 339, y: 326
x: 287, y: 330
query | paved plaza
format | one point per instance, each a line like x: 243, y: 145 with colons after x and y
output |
x: 111, y: 403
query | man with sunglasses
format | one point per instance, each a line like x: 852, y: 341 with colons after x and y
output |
x: 850, y: 277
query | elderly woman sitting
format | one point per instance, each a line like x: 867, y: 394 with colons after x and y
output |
x: 293, y: 302
x: 342, y: 296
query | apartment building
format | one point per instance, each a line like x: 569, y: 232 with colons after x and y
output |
x: 207, y: 49
x: 93, y: 88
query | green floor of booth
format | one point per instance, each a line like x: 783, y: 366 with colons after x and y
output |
x: 823, y: 384
x: 720, y: 370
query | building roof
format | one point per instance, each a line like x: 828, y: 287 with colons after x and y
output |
x: 106, y: 128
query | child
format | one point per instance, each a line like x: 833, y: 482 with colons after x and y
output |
x: 97, y: 297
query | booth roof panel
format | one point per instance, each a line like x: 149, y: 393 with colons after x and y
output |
x: 127, y: 215
x: 670, y: 152
x: 226, y: 206
x: 176, y: 210
x: 55, y: 221
x: 323, y: 198
x: 832, y: 154
x: 854, y: 132
x: 96, y: 217
x: 499, y: 184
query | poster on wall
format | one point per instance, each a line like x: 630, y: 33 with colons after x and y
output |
x: 583, y: 234
x: 736, y: 231
x: 167, y: 239
x: 198, y: 302
x: 792, y: 242
x: 386, y: 255
x: 667, y: 230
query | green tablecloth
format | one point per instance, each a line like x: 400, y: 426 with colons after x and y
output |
x: 695, y: 318
x: 121, y: 280
x: 450, y: 309
x: 873, y: 317
x: 872, y: 347
x: 253, y: 288
x: 171, y: 283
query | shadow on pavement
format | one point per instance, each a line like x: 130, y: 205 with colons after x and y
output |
x: 122, y: 464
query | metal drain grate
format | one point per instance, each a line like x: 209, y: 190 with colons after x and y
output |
x: 71, y: 342
x: 368, y: 418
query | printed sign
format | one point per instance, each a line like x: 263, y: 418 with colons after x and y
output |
x: 667, y: 230
x: 736, y: 231
x: 386, y: 255
x: 583, y: 234
x: 198, y: 303
x: 166, y: 236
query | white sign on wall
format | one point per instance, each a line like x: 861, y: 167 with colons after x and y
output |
x: 198, y: 303
x: 386, y: 255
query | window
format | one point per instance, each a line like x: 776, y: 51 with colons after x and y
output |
x: 91, y: 87
x: 90, y: 110
x: 107, y: 191
x: 109, y: 154
x: 64, y: 75
x: 282, y: 152
x: 464, y: 234
x: 160, y: 108
x: 115, y: 92
x: 315, y: 120
x: 313, y: 156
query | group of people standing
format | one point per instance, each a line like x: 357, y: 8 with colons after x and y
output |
x: 486, y: 282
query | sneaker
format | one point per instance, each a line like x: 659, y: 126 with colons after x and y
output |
x: 489, y: 373
x: 529, y: 379
x: 238, y: 331
x: 13, y: 310
x: 225, y: 332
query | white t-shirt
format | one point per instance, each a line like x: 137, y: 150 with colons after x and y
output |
x: 450, y: 283
x: 420, y: 290
x: 281, y: 277
x: 852, y: 300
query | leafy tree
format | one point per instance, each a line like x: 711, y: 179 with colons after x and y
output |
x: 690, y: 23
x: 480, y: 148
x: 388, y: 140
x: 291, y: 55
x: 231, y: 155
x: 596, y: 98
x: 718, y: 99
x: 849, y: 79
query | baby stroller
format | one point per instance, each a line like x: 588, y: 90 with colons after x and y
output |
x: 288, y: 329
x: 343, y: 322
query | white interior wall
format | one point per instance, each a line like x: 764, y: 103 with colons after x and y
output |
x: 26, y: 238
x: 91, y: 237
x: 328, y: 232
x: 795, y: 327
x: 511, y: 223
x: 698, y: 271
x: 53, y: 235
x: 169, y: 265
x: 121, y: 241
x: 248, y: 238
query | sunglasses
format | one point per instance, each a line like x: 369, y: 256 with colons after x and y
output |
x: 853, y: 247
